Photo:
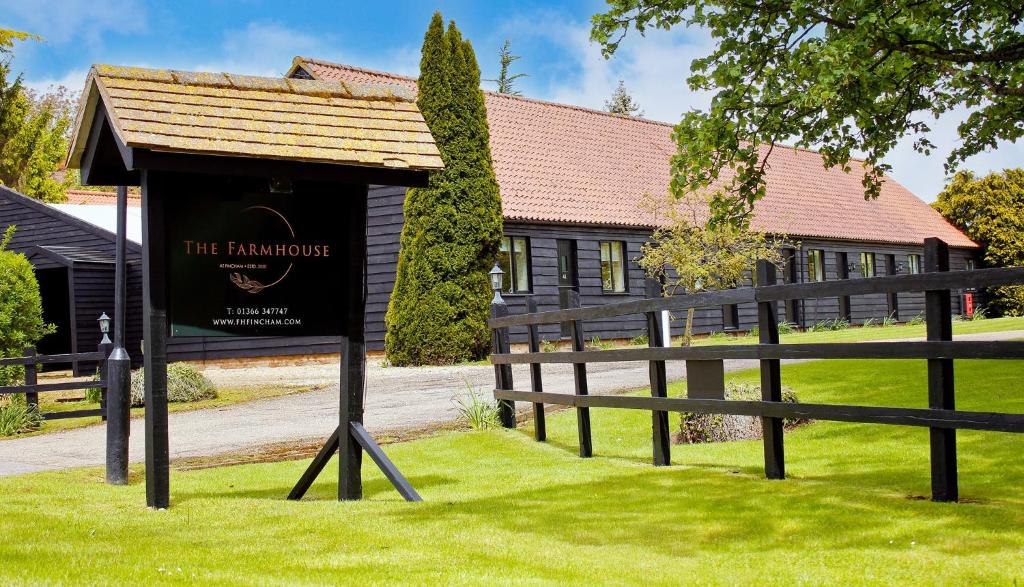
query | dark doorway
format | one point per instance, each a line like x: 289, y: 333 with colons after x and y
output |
x: 893, y: 303
x: 843, y: 272
x: 567, y: 278
x: 53, y: 288
x: 791, y: 274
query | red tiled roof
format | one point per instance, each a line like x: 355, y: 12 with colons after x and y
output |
x: 562, y: 163
x: 87, y: 197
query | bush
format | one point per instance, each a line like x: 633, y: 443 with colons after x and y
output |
x: 548, y: 346
x: 438, y: 311
x: 889, y: 320
x: 16, y: 416
x: 640, y: 340
x: 917, y: 320
x: 980, y: 313
x: 21, y: 309
x: 479, y: 413
x: 787, y: 327
x: 698, y: 428
x: 597, y: 344
x: 184, y: 384
x: 831, y: 325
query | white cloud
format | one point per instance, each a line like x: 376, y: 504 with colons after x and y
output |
x: 926, y: 176
x: 63, y: 21
x: 267, y: 48
x: 73, y: 80
x: 259, y: 48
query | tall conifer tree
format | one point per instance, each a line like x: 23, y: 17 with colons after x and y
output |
x: 439, y: 307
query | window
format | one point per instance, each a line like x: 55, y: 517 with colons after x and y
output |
x: 867, y: 264
x: 913, y: 263
x: 613, y: 266
x: 815, y: 265
x: 970, y: 264
x: 513, y: 258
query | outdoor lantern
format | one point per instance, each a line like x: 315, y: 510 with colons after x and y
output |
x: 104, y: 321
x: 497, y: 280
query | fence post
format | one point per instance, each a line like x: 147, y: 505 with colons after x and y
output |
x: 502, y: 373
x: 104, y: 348
x: 32, y: 397
x: 658, y: 385
x: 771, y: 377
x: 939, y: 325
x: 118, y: 410
x: 536, y: 384
x: 580, y: 375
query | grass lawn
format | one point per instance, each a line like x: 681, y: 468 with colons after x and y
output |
x: 502, y: 508
x: 226, y: 396
x: 871, y: 333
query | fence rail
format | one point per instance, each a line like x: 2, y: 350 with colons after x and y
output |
x: 31, y: 388
x: 976, y: 278
x: 705, y: 370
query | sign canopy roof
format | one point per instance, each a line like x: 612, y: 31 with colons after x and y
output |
x: 218, y: 114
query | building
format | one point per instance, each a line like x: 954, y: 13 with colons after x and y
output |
x: 572, y: 182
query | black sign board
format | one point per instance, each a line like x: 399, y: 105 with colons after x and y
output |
x: 251, y: 262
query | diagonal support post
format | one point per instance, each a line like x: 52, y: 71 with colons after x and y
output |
x: 363, y: 438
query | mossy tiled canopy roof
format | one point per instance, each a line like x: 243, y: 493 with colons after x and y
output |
x: 335, y: 122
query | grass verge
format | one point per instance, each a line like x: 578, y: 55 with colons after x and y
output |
x: 226, y: 396
x: 502, y: 508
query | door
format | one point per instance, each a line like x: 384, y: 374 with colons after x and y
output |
x: 891, y: 300
x: 567, y: 278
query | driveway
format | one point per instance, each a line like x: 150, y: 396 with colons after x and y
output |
x: 397, y: 399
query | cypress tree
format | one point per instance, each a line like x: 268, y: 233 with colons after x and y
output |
x: 440, y: 304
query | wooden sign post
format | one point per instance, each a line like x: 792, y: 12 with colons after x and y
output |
x: 254, y: 220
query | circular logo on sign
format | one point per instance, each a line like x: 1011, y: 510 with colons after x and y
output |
x: 271, y: 254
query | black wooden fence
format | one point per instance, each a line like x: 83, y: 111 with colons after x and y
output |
x: 32, y: 388
x: 706, y: 378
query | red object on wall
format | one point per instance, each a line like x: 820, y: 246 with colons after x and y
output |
x: 969, y: 304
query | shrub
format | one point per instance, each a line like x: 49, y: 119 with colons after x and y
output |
x: 889, y: 320
x: 717, y: 334
x: 640, y: 340
x: 547, y: 346
x: 831, y: 325
x: 980, y: 313
x: 479, y: 413
x: 184, y: 384
x: 698, y: 428
x: 916, y: 320
x: 597, y: 343
x: 21, y: 309
x: 439, y: 309
x: 871, y: 323
x: 787, y: 327
x: 17, y: 417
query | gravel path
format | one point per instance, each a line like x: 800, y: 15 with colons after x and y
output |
x: 396, y: 399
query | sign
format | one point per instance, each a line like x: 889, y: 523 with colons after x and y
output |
x: 969, y: 304
x: 253, y: 264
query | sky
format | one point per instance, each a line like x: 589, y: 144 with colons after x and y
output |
x: 262, y: 37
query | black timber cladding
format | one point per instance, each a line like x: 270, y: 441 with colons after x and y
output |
x: 43, y: 226
x: 385, y: 223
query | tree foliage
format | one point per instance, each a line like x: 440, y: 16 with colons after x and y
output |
x: 34, y: 133
x: 21, y: 308
x: 622, y: 103
x: 990, y: 210
x: 843, y: 77
x: 506, y: 79
x: 687, y: 256
x: 440, y: 304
